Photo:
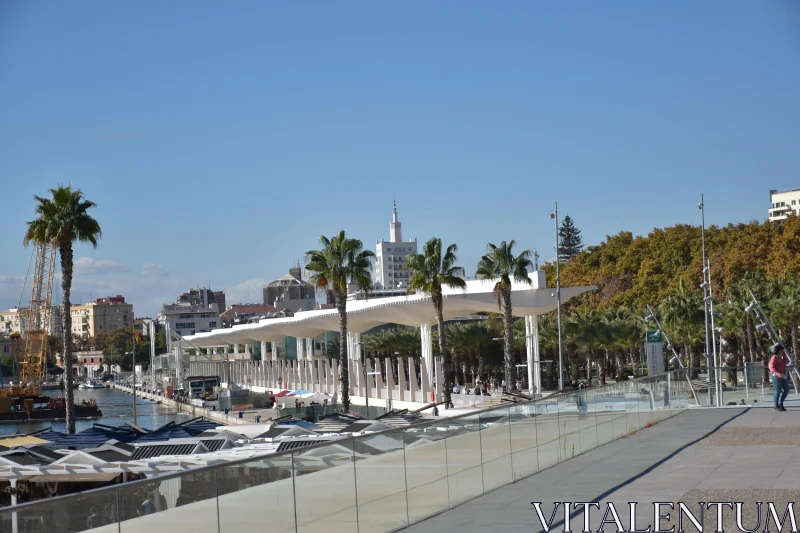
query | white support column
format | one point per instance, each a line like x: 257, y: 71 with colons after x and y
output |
x: 247, y: 350
x: 532, y: 349
x: 426, y: 336
x: 236, y: 350
x: 438, y: 379
x: 413, y: 386
x: 380, y: 392
x: 274, y: 346
x: 401, y: 381
x: 300, y: 349
x: 310, y: 349
x: 335, y: 376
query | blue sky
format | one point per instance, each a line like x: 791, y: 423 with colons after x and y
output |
x: 220, y: 140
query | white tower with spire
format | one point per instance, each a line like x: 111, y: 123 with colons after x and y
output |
x: 392, y: 257
x: 396, y: 227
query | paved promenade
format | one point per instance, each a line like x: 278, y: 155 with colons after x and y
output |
x: 703, y: 455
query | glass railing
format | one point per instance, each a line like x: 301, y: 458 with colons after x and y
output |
x: 376, y: 483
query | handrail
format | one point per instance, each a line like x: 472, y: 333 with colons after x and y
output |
x: 269, y: 456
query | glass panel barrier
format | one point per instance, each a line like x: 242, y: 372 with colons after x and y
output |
x: 631, y: 405
x: 426, y: 470
x: 604, y: 414
x: 256, y: 496
x: 547, y: 433
x: 569, y: 436
x: 496, y: 448
x: 370, y: 483
x: 646, y: 401
x: 587, y: 419
x: 381, y: 482
x: 67, y: 515
x: 524, y: 446
x: 325, y: 488
x: 464, y: 472
x: 188, y: 502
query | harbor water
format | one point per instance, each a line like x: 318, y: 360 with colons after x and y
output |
x: 116, y: 406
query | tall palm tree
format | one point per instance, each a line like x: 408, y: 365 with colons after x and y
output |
x: 502, y: 265
x: 341, y: 261
x: 64, y: 219
x: 430, y: 271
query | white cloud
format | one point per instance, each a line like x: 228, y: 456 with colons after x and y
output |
x: 246, y: 292
x: 88, y: 266
x: 153, y: 269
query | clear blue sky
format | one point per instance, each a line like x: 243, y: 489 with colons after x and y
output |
x: 219, y: 140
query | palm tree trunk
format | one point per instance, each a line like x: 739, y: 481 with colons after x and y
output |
x: 602, y: 369
x: 447, y: 359
x: 620, y: 366
x: 344, y: 371
x: 65, y: 251
x: 508, y: 334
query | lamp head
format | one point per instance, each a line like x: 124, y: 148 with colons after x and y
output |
x: 703, y: 285
x: 670, y: 347
x: 749, y: 308
x: 552, y: 215
x: 719, y: 330
x: 723, y: 342
x: 761, y: 328
x: 648, y: 318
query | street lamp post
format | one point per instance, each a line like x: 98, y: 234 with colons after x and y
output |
x: 133, y: 358
x: 704, y: 285
x: 554, y: 216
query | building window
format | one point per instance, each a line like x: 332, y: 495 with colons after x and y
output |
x: 184, y: 325
x: 212, y: 324
x: 794, y: 202
x: 92, y: 360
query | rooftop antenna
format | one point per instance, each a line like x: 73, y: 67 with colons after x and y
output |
x: 535, y: 259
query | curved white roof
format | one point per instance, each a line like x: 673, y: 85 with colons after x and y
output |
x: 412, y: 310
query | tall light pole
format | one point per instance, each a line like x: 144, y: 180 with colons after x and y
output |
x: 554, y: 216
x: 705, y: 283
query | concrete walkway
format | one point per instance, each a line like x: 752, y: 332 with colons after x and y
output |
x: 701, y: 455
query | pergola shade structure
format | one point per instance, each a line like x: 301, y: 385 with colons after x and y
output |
x: 416, y: 310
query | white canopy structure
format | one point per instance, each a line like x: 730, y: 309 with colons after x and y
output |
x: 416, y: 310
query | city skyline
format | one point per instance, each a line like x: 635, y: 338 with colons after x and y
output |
x: 219, y: 161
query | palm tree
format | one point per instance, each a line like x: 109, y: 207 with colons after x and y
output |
x: 501, y: 264
x: 63, y: 219
x: 430, y: 271
x: 683, y: 311
x: 341, y: 261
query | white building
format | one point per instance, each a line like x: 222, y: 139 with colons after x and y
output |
x: 390, y: 267
x: 16, y: 321
x: 189, y: 319
x: 784, y: 203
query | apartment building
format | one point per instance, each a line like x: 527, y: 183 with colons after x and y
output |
x: 101, y: 316
x: 16, y: 321
x: 783, y: 204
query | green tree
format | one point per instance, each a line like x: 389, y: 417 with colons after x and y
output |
x: 502, y: 265
x: 63, y: 219
x: 430, y: 271
x: 570, y: 240
x: 341, y: 261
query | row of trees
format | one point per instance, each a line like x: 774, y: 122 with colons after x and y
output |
x: 609, y: 340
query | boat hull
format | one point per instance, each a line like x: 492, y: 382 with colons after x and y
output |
x: 55, y: 413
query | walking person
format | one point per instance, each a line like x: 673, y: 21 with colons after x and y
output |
x: 777, y: 367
